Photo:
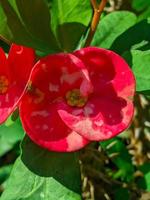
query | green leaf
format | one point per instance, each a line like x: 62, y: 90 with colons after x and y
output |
x: 5, y: 172
x: 144, y: 14
x: 136, y: 37
x: 40, y: 174
x: 10, y: 134
x: 140, y: 5
x: 140, y: 63
x: 122, y: 159
x: 144, y: 182
x: 27, y: 23
x: 111, y: 26
x: 135, y: 51
x: 69, y: 21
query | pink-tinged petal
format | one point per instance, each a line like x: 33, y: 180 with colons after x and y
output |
x: 56, y: 74
x: 101, y: 118
x: 17, y: 67
x: 107, y: 69
x: 44, y: 126
x: 109, y: 109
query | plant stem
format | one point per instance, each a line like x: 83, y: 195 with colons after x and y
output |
x: 94, y: 4
x: 98, y: 9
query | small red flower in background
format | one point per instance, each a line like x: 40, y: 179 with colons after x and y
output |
x: 73, y: 99
x: 14, y: 74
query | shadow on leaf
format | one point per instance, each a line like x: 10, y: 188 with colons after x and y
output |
x: 63, y: 167
x: 69, y: 35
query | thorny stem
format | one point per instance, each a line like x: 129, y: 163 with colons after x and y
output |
x: 98, y: 9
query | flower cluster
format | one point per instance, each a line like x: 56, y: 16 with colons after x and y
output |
x: 67, y: 100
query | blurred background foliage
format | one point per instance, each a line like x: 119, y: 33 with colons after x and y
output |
x: 117, y: 169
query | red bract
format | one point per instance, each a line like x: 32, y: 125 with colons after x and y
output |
x: 76, y: 98
x: 14, y: 74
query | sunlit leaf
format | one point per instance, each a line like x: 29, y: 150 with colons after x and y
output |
x: 136, y: 37
x: 111, y: 26
x: 39, y: 174
x: 69, y: 21
x: 140, y: 63
x: 10, y: 134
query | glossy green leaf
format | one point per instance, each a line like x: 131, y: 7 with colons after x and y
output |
x: 122, y: 160
x: 69, y: 21
x: 111, y: 26
x: 140, y: 63
x: 40, y: 174
x: 27, y: 23
x: 10, y: 134
x: 136, y: 37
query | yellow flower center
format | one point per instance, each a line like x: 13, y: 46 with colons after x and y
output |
x: 4, y: 83
x: 38, y: 94
x: 74, y: 98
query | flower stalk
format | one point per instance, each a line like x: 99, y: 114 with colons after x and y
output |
x: 98, y: 9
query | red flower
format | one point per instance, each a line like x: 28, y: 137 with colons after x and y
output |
x: 76, y: 98
x: 14, y: 74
